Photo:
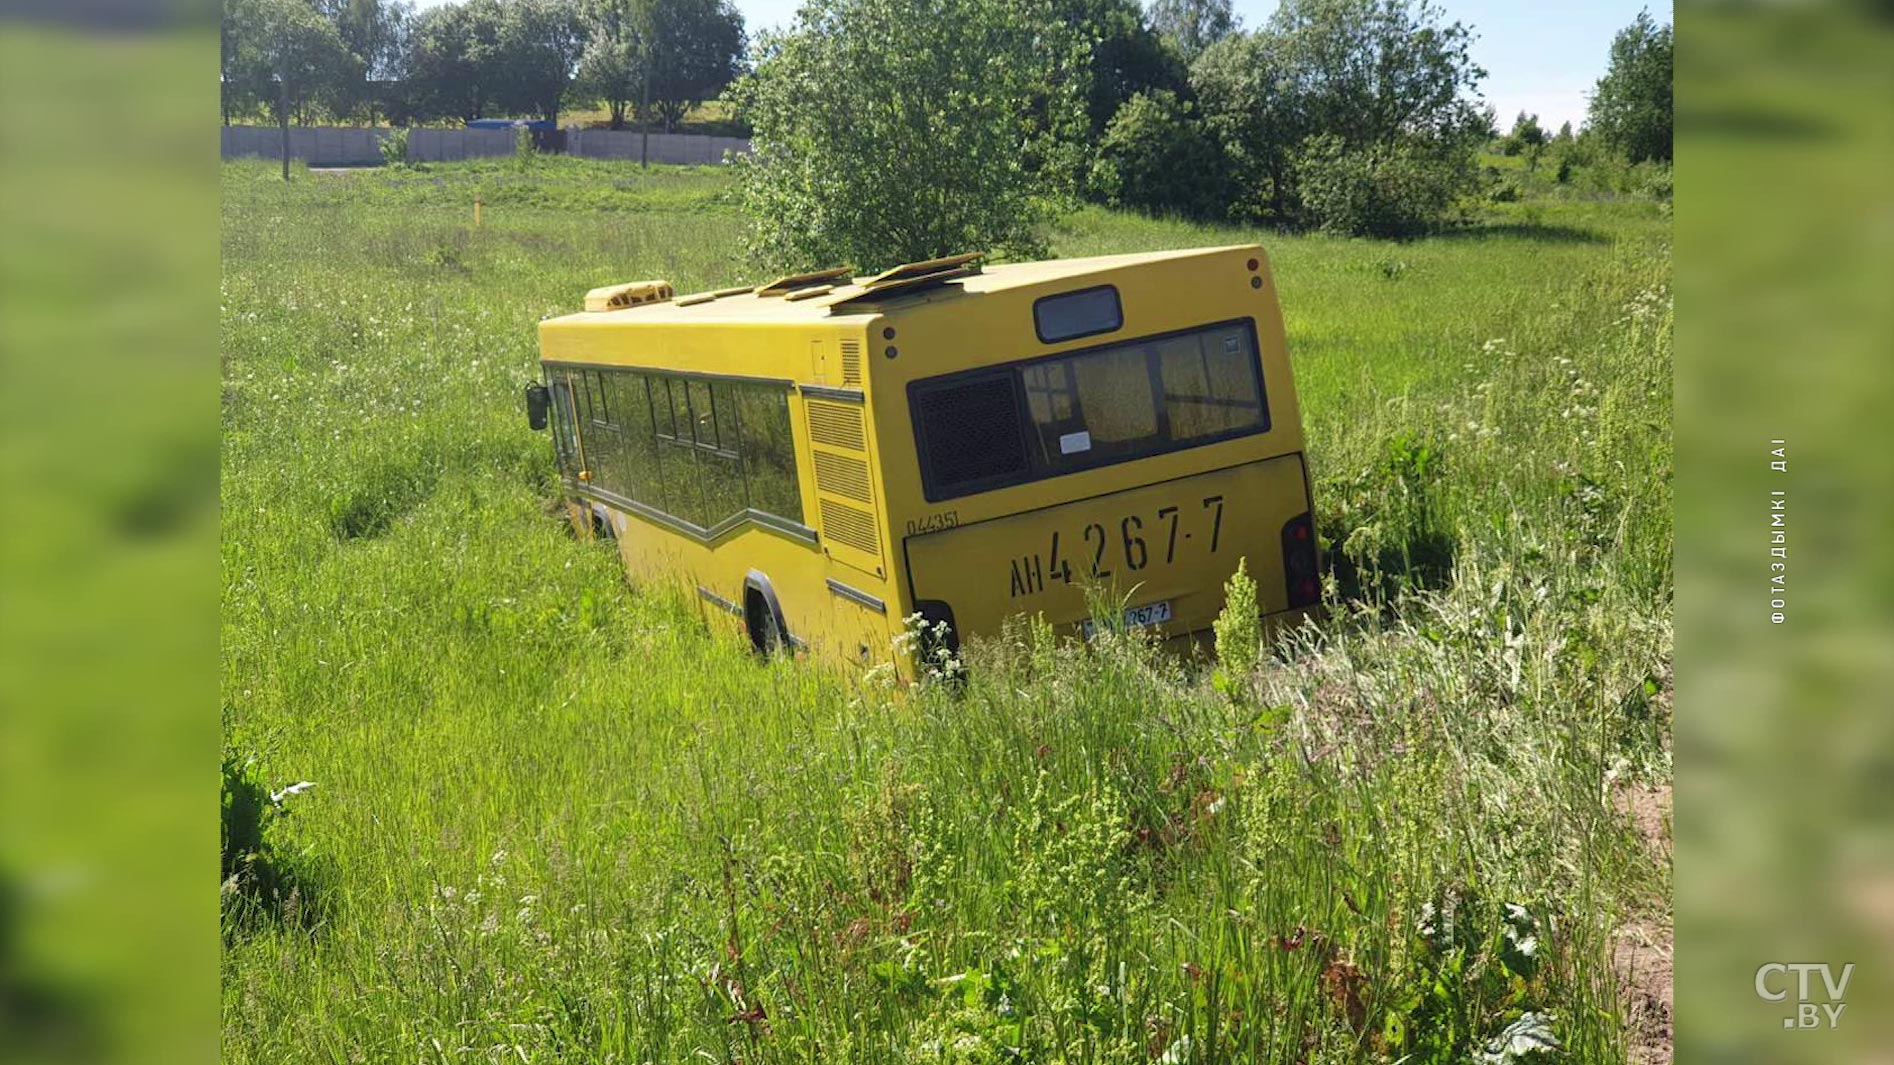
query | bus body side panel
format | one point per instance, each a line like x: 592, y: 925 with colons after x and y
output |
x: 1169, y: 545
x: 713, y: 575
x: 834, y: 606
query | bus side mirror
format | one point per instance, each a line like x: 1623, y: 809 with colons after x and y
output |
x: 538, y: 402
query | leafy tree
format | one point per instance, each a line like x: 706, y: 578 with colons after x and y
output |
x: 1380, y: 71
x: 1156, y: 157
x: 612, y: 67
x: 1122, y: 56
x: 889, y: 131
x: 1525, y: 132
x: 1193, y: 25
x: 237, y: 95
x: 540, y: 45
x: 376, y: 32
x: 454, y: 68
x: 1631, y: 105
x: 1246, y: 93
x: 1563, y: 137
x: 1381, y: 190
x: 695, y: 47
x: 1387, y: 86
x: 286, y: 56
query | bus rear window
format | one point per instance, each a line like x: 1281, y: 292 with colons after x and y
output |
x: 1071, y: 315
x: 1024, y: 421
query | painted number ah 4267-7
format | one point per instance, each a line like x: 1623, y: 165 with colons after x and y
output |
x: 1129, y: 543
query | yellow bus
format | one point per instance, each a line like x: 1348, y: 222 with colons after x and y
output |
x: 825, y: 456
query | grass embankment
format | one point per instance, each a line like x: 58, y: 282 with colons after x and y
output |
x: 554, y: 819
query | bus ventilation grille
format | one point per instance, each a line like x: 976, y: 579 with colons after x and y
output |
x: 851, y: 364
x: 971, y: 431
x: 836, y: 425
x: 850, y: 525
x: 843, y: 476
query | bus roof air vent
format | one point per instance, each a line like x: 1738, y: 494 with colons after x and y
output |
x: 924, y: 268
x: 696, y: 298
x: 631, y: 294
x: 784, y: 285
x: 907, y: 280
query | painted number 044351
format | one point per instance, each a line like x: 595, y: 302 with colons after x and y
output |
x: 1132, y: 542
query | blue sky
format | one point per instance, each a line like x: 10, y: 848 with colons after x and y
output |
x: 1539, y: 57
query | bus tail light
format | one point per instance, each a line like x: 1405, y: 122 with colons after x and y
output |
x: 1299, y: 574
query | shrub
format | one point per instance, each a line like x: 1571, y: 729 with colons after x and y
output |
x: 394, y: 148
x: 1651, y: 181
x: 1157, y: 157
x: 1399, y: 191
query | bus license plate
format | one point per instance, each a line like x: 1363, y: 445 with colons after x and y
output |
x: 1137, y: 617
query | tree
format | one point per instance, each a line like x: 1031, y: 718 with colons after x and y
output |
x: 1631, y: 105
x: 540, y: 45
x: 1387, y: 86
x: 1400, y: 189
x: 1192, y: 25
x: 1527, y: 137
x: 376, y: 32
x: 884, y: 133
x: 695, y: 45
x: 1121, y: 56
x: 285, y: 55
x: 1245, y: 90
x: 1156, y: 157
x: 236, y: 94
x: 454, y: 68
x: 612, y: 67
x: 1378, y: 71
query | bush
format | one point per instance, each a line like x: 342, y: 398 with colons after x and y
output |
x: 1399, y: 191
x: 1157, y: 157
x: 394, y: 148
x: 1651, y: 181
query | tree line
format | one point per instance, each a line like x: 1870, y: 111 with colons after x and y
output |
x: 897, y: 130
x: 298, y: 61
x: 955, y: 124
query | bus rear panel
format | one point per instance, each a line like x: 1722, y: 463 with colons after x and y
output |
x: 1116, y: 446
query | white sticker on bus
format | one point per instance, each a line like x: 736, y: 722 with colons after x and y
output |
x: 1072, y: 442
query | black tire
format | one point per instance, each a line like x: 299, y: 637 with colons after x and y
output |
x: 766, y: 632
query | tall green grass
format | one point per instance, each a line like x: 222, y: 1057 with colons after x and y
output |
x: 556, y: 818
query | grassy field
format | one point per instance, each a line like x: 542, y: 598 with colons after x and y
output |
x: 556, y: 819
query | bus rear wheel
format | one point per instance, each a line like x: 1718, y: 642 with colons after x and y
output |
x: 766, y: 632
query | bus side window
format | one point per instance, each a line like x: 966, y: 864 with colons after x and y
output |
x: 719, y: 467
x: 644, y: 481
x: 769, y: 451
x: 562, y: 422
x: 683, y: 483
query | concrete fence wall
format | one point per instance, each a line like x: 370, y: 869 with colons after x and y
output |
x: 338, y: 146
